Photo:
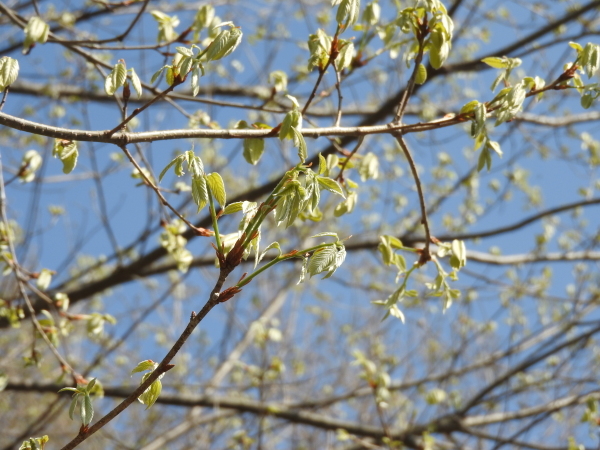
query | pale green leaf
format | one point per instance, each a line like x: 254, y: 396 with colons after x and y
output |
x: 67, y: 152
x: 347, y: 13
x: 233, y: 208
x: 326, y: 233
x: 73, y: 405
x: 44, y: 279
x: 301, y: 144
x: 421, y: 74
x: 495, y: 62
x: 269, y: 247
x: 135, y: 81
x: 217, y: 187
x: 253, y: 150
x: 177, y: 159
x: 331, y: 185
x: 321, y: 260
x: 144, y: 366
x: 225, y: 43
x: 322, y: 165
x: 9, y: 70
x: 87, y: 410
x: 199, y: 192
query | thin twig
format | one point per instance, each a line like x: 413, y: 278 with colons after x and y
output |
x: 4, y: 97
x: 338, y: 80
x: 333, y: 53
x: 199, y: 231
x: 314, y: 91
x: 162, y: 368
x: 359, y: 142
x: 411, y: 82
x: 425, y: 255
x: 142, y: 108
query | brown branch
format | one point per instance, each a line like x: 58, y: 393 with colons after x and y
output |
x: 421, y: 34
x: 425, y: 254
x: 503, y: 378
x: 338, y: 81
x: 136, y: 111
x: 333, y: 53
x: 163, y: 367
x: 4, y: 95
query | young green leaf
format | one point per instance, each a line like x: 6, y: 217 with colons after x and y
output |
x: 224, y: 44
x: 321, y: 260
x: 199, y: 192
x: 116, y: 78
x: 166, y: 26
x: 36, y: 30
x: 269, y: 247
x: 347, y: 13
x: 67, y: 152
x: 157, y: 74
x: 233, y: 208
x: 9, y: 70
x: 217, y: 187
x: 87, y: 409
x: 328, y: 234
x: 177, y: 160
x: 368, y: 167
x: 346, y: 55
x: 331, y: 185
x: 150, y: 395
x: 301, y: 144
x: 485, y: 159
x: 421, y: 74
x: 144, y: 366
x: 322, y: 165
x: 253, y: 150
x: 137, y: 84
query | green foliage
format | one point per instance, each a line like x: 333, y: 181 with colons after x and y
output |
x: 82, y: 394
x: 35, y: 443
x: 9, y: 71
x: 347, y: 13
x: 30, y: 164
x: 440, y: 182
x: 172, y: 240
x: 151, y: 394
x: 225, y: 42
x: 166, y: 26
x: 67, y: 152
x: 36, y: 31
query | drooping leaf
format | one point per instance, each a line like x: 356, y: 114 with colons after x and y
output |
x: 87, y: 410
x: 67, y: 152
x: 177, y: 160
x: 253, y: 150
x: 199, y: 191
x: 301, y: 144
